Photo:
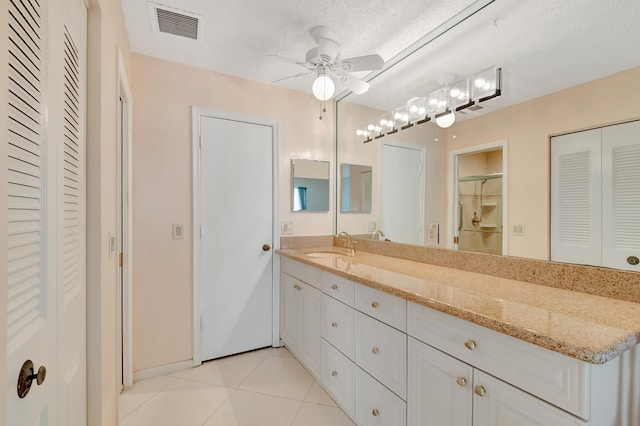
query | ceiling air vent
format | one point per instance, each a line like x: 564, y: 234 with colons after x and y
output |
x: 176, y: 22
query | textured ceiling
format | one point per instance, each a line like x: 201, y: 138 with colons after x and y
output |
x: 542, y: 45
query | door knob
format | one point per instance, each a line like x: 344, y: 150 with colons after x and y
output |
x: 266, y: 247
x: 26, y: 376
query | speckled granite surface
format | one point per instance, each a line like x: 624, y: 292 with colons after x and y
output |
x: 585, y: 326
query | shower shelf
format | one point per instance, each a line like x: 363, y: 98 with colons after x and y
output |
x: 488, y: 225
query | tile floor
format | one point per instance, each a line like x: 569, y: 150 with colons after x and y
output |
x: 267, y: 387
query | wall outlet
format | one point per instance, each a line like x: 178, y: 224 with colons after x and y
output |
x: 371, y: 226
x: 433, y: 234
x: 286, y: 228
x: 518, y: 229
x: 178, y: 231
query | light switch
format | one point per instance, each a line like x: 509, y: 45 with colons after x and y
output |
x: 178, y: 231
x: 518, y: 229
x: 433, y: 234
x: 371, y: 226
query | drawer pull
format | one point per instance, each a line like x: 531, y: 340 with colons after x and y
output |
x: 375, y: 412
x: 375, y: 350
x: 480, y: 391
x: 461, y: 381
x: 334, y: 373
x: 334, y: 287
x: 470, y: 344
x: 374, y: 305
x: 334, y: 324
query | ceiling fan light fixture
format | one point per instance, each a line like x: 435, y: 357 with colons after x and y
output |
x: 323, y: 88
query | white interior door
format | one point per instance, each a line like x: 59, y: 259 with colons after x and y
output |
x: 235, y: 290
x: 402, y: 192
x: 46, y: 264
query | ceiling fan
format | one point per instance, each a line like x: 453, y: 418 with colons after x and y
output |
x: 325, y: 63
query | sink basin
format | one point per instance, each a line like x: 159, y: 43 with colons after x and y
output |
x: 326, y: 253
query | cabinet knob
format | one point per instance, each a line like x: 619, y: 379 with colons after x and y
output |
x: 480, y: 391
x: 375, y: 412
x: 470, y: 344
x: 374, y: 305
x: 334, y: 324
x: 334, y: 287
x: 461, y: 381
x: 375, y: 350
x: 334, y: 373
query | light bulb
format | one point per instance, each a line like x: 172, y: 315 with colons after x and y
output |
x: 446, y: 120
x: 480, y: 82
x: 383, y: 121
x: 397, y: 115
x: 359, y: 132
x: 454, y: 92
x: 413, y: 109
x: 433, y: 101
x: 323, y: 88
x: 370, y: 127
x: 422, y: 111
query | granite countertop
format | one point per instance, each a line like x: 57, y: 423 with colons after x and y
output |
x: 593, y: 329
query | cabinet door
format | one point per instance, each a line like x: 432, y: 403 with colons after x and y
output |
x: 576, y: 212
x: 310, y: 328
x: 497, y: 403
x: 621, y: 195
x: 289, y: 311
x: 376, y: 405
x: 440, y: 388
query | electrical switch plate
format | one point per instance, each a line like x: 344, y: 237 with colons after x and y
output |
x: 371, y: 226
x: 112, y: 243
x: 178, y: 231
x: 518, y: 229
x: 433, y: 233
x: 286, y: 228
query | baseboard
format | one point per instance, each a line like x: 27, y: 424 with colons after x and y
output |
x: 162, y: 370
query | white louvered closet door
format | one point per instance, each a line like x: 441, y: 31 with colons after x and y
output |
x: 46, y: 265
x: 576, y: 233
x: 31, y: 270
x: 621, y: 195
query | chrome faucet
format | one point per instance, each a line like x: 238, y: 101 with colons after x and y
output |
x: 348, y: 244
x: 377, y: 234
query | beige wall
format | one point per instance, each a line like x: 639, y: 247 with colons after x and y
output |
x: 164, y: 93
x: 527, y: 127
x: 106, y: 34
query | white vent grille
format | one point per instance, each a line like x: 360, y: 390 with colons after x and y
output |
x: 175, y: 23
x: 626, y: 196
x: 71, y: 170
x: 574, y: 184
x: 25, y: 138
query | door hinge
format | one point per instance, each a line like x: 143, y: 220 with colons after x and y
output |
x: 120, y: 259
x: 455, y: 240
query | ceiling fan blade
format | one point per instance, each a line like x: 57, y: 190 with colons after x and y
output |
x: 304, y: 74
x: 361, y: 63
x: 353, y: 84
x: 327, y: 49
x: 284, y: 59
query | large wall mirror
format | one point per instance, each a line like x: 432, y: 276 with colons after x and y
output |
x: 309, y: 186
x: 566, y: 66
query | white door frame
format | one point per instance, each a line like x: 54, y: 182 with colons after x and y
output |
x: 197, y: 113
x: 124, y: 246
x: 452, y: 211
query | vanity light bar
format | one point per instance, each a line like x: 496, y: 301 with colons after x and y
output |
x: 482, y: 86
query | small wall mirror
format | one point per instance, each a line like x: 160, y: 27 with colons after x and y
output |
x: 355, y: 185
x: 310, y: 185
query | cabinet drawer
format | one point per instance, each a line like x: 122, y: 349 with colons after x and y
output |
x: 553, y: 377
x: 387, y: 308
x: 338, y: 325
x: 306, y: 273
x: 377, y: 405
x: 338, y: 287
x: 339, y: 377
x: 382, y: 352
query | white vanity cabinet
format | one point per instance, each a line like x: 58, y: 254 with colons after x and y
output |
x: 446, y: 391
x: 300, y: 322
